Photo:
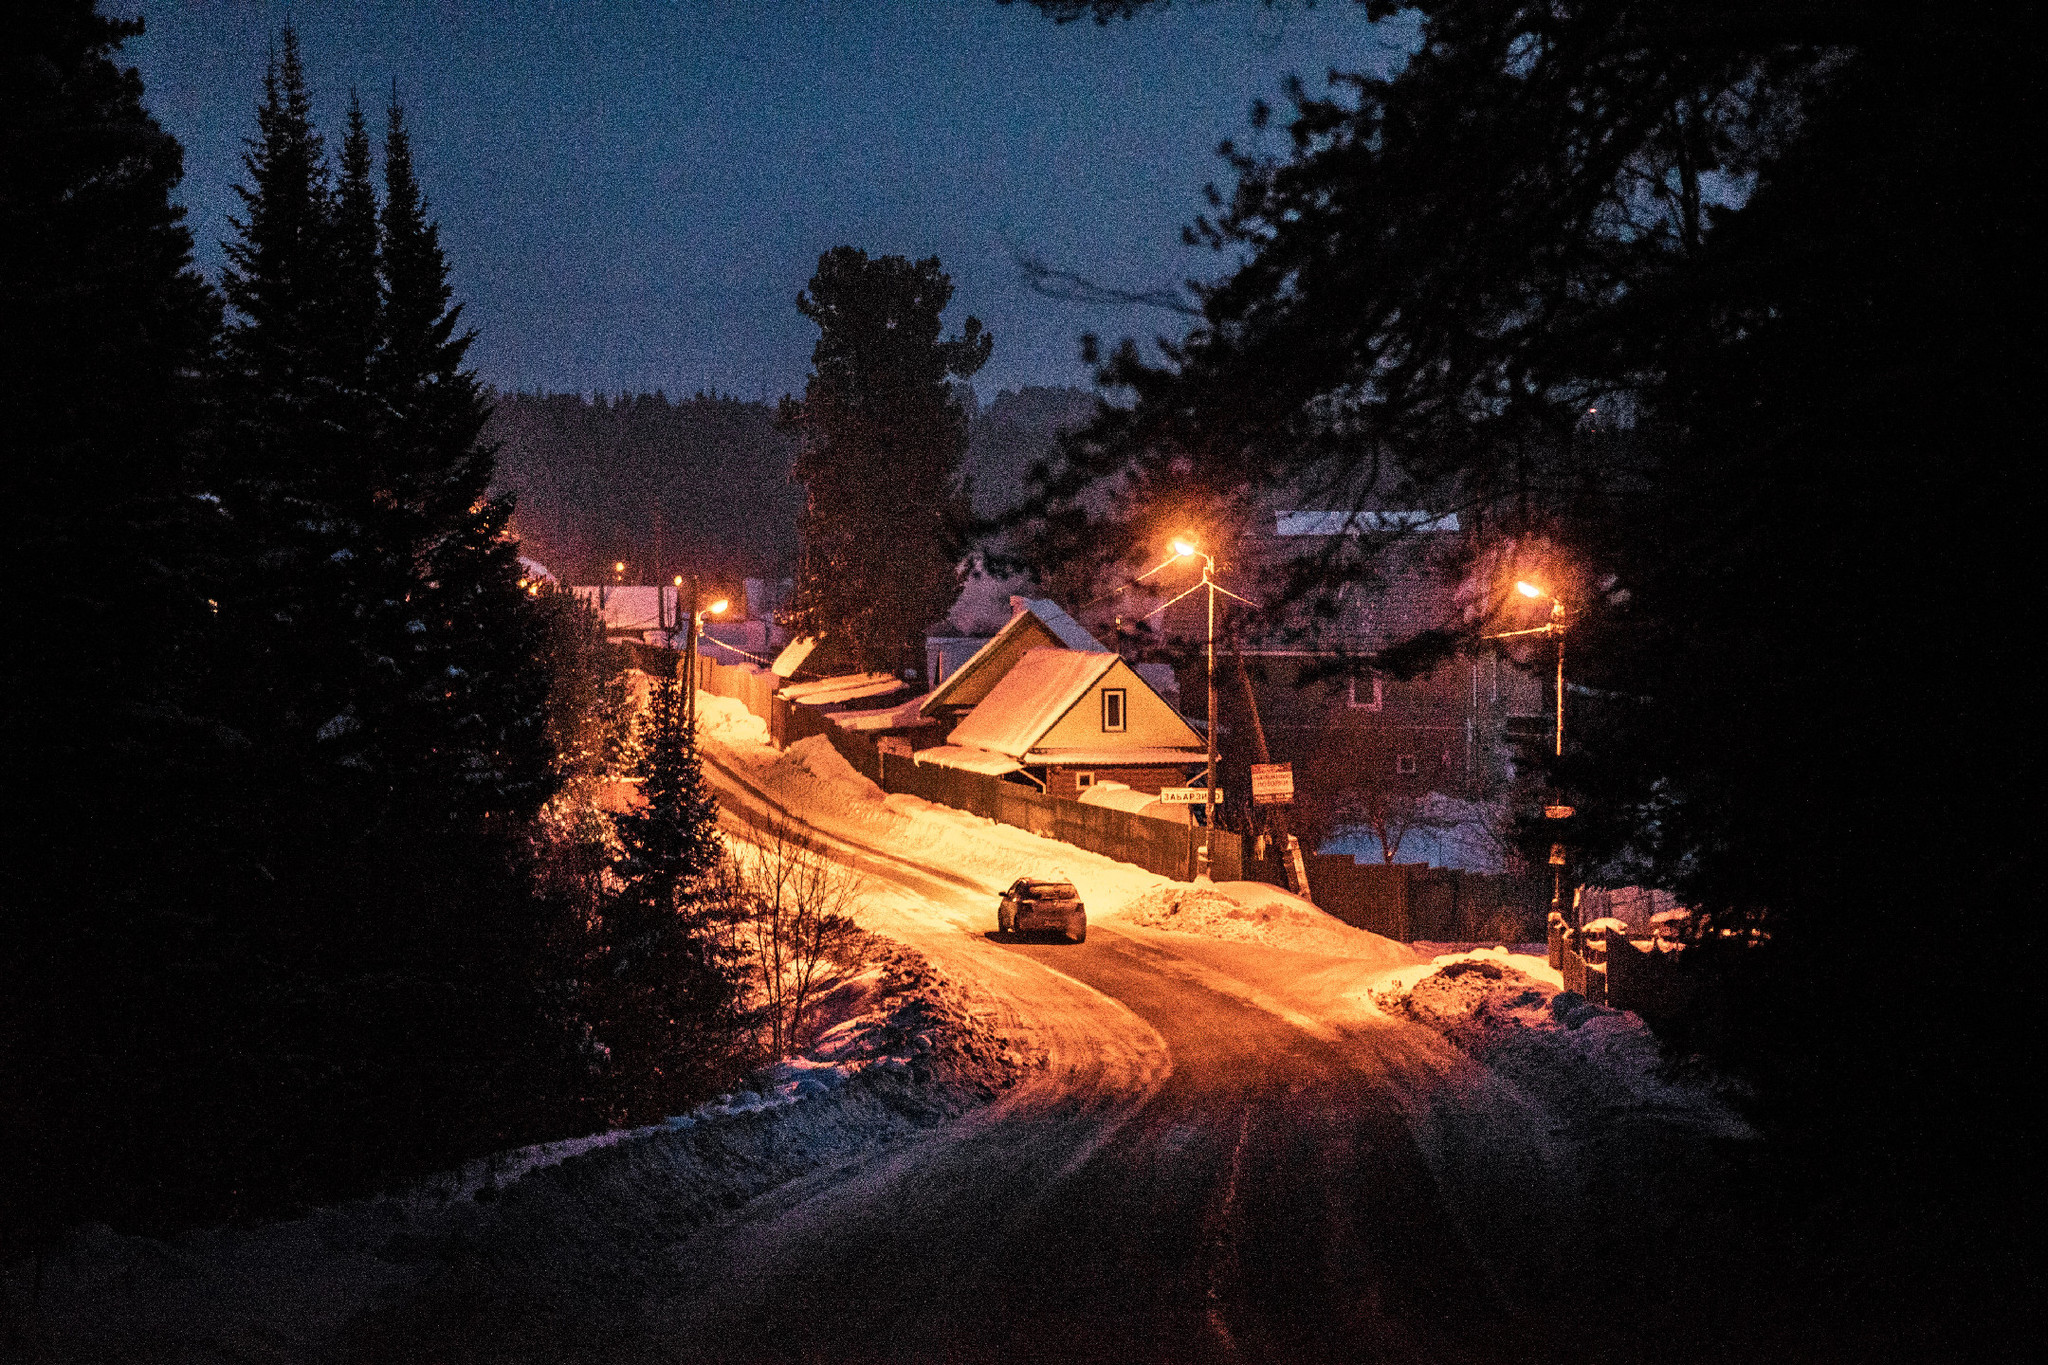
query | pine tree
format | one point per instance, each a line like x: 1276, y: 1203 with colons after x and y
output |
x: 881, y: 442
x: 665, y: 984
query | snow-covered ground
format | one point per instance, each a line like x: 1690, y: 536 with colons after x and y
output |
x: 902, y: 1051
x: 1511, y: 1011
x: 950, y: 1033
x: 1504, y: 1008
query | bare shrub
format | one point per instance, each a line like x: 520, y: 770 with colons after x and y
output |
x: 792, y: 913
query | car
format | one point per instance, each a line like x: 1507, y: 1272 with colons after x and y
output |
x: 1034, y: 903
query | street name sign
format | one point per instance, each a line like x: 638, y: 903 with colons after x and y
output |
x: 1189, y: 796
x: 1272, y: 783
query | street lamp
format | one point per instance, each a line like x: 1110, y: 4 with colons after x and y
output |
x: 1184, y: 547
x: 1555, y: 809
x: 690, y: 648
x: 1554, y: 626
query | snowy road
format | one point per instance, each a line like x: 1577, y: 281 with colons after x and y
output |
x: 1208, y: 1167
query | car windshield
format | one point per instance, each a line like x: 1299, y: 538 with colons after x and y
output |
x: 1052, y: 891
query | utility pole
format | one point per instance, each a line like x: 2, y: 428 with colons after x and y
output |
x: 1290, y: 847
x: 689, y: 624
x: 1182, y: 548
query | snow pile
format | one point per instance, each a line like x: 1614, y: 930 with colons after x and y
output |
x: 1253, y: 912
x: 727, y: 719
x: 817, y: 757
x: 1509, y: 1011
x: 537, y: 1230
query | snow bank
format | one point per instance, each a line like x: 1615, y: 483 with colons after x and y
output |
x: 815, y: 780
x: 727, y: 719
x: 546, y: 1223
x: 1253, y: 912
x: 1510, y: 1012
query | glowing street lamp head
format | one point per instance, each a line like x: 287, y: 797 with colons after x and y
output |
x: 1183, y: 547
x: 718, y: 608
x: 1528, y: 589
x: 619, y: 567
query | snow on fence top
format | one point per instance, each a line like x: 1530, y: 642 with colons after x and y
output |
x: 851, y: 687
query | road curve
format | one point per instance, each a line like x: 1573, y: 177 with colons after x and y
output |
x: 1192, y: 1177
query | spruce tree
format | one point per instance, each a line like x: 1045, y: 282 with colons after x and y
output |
x: 665, y: 986
x: 471, y: 636
x: 881, y: 442
x: 105, y: 334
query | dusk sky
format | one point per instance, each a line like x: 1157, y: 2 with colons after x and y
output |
x: 632, y: 193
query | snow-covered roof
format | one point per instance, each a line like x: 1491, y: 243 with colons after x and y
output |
x: 1107, y: 756
x: 850, y: 687
x: 628, y: 606
x: 1036, y: 618
x: 1043, y: 686
x: 1071, y: 633
x: 792, y: 656
x: 968, y: 760
x: 1357, y: 523
x: 902, y: 717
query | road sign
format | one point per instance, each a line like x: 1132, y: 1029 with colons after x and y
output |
x: 1272, y: 783
x: 1189, y: 796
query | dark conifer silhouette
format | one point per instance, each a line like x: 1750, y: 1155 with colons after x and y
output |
x: 666, y: 981
x: 113, y: 746
x: 1725, y: 229
x: 881, y: 438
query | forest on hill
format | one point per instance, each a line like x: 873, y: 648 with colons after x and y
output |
x: 671, y: 485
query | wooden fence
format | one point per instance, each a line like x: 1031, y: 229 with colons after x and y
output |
x: 1606, y: 966
x: 1404, y: 901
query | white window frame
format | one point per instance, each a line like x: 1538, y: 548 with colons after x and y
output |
x: 1405, y: 764
x: 1084, y: 779
x: 1352, y: 695
x: 1123, y: 710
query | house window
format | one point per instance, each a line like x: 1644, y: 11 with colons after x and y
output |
x: 1404, y: 764
x: 1084, y: 779
x: 1113, y: 708
x: 1365, y: 693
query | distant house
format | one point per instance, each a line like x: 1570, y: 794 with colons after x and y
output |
x: 1444, y: 731
x: 1035, y: 623
x: 653, y: 614
x: 1065, y: 719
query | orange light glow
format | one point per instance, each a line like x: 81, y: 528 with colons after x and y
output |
x: 679, y: 580
x: 718, y: 607
x: 1528, y: 590
x: 619, y: 567
x: 1183, y: 547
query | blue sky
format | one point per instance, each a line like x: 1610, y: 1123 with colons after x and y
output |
x: 631, y: 193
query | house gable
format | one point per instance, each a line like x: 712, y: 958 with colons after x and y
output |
x: 1148, y: 722
x: 971, y: 683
